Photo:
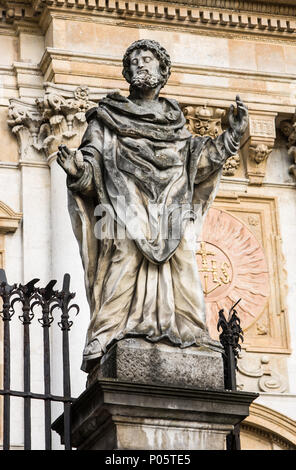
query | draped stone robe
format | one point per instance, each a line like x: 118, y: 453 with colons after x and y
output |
x: 147, y: 172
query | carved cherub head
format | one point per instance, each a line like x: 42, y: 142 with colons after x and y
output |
x: 260, y: 153
x: 148, y: 76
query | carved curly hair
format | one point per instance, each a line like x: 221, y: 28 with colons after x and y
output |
x: 159, y: 52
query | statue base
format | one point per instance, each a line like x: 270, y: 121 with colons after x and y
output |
x: 112, y: 414
x: 141, y: 361
x: 153, y: 396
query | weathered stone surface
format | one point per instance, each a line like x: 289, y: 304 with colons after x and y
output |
x: 155, y: 173
x: 113, y: 414
x: 136, y: 360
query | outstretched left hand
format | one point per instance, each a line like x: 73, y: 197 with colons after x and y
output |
x: 238, y: 120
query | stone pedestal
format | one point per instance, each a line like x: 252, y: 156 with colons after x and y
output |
x: 156, y: 397
x: 137, y: 360
x: 112, y: 414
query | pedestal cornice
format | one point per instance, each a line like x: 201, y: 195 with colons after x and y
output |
x: 109, y: 410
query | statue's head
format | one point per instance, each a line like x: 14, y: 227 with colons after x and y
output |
x: 146, y: 64
x: 286, y: 128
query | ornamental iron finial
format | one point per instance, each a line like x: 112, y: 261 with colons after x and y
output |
x: 230, y: 336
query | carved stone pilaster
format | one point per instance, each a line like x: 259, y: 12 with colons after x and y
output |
x: 207, y: 121
x: 288, y: 130
x: 258, y: 144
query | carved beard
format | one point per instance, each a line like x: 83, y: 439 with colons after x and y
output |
x: 144, y: 79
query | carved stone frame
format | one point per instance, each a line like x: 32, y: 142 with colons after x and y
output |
x: 269, y: 333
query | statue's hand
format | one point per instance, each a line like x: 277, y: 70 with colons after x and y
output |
x: 238, y: 121
x: 70, y: 161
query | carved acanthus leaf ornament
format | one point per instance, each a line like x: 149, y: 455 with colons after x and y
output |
x: 65, y: 115
x: 58, y: 117
x: 207, y: 121
x: 31, y: 130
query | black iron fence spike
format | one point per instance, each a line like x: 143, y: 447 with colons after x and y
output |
x: 66, y: 283
x: 29, y: 287
x: 48, y: 290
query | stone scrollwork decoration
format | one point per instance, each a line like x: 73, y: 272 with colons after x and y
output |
x: 267, y: 380
x: 288, y: 129
x: 207, y: 121
x: 204, y: 120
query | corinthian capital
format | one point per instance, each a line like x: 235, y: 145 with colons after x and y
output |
x: 58, y: 117
x: 28, y: 125
x: 64, y: 110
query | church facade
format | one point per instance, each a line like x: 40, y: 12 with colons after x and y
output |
x: 58, y: 59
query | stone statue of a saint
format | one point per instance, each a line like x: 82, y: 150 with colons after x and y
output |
x: 138, y: 161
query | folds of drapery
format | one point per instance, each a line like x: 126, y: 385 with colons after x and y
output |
x: 138, y: 284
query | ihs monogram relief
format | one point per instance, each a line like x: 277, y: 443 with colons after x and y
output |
x: 215, y: 268
x: 232, y: 266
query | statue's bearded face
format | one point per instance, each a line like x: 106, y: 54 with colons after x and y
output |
x: 144, y: 69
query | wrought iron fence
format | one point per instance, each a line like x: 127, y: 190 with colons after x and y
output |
x: 48, y: 300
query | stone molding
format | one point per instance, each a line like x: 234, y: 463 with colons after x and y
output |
x: 52, y: 53
x: 9, y: 219
x: 108, y: 70
x: 109, y: 404
x: 13, y: 11
x: 238, y: 16
x: 270, y: 424
x: 215, y: 19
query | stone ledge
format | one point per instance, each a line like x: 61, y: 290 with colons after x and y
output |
x: 113, y: 414
x: 236, y: 16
